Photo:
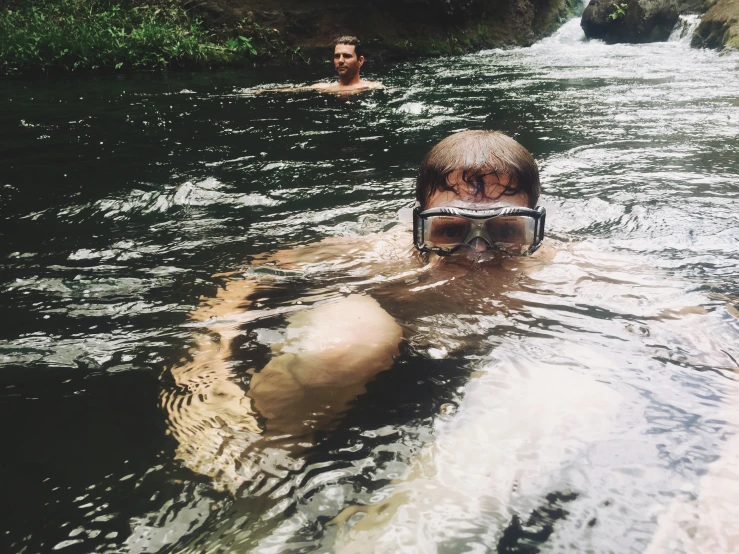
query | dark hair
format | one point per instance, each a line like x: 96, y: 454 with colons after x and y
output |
x: 351, y: 41
x: 476, y: 154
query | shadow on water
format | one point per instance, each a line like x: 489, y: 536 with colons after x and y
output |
x: 122, y: 197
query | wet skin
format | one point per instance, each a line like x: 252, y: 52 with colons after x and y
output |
x: 347, y: 64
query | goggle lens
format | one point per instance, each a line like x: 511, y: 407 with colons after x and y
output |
x: 446, y: 230
x: 514, y: 234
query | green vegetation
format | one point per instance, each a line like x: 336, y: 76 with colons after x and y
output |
x: 115, y: 35
x: 618, y: 12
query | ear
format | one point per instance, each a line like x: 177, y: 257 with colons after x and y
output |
x: 361, y: 60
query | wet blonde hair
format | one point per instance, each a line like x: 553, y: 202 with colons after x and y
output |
x: 476, y: 154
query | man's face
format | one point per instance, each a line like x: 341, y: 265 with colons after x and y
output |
x: 464, y: 195
x: 346, y: 62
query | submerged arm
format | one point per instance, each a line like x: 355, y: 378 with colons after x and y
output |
x: 207, y: 402
x: 284, y: 89
x: 315, y: 86
x: 330, y: 352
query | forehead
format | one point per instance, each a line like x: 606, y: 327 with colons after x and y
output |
x: 346, y: 49
x: 495, y: 187
x: 495, y: 184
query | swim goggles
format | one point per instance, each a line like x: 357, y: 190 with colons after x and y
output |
x: 511, y: 229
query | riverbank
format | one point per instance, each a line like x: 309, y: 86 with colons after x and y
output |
x: 113, y: 35
x: 120, y: 35
x: 392, y: 29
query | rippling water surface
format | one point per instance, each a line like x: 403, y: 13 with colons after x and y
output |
x: 574, y: 407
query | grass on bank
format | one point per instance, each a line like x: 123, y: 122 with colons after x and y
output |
x: 100, y: 35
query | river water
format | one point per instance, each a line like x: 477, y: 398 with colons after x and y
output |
x: 577, y: 408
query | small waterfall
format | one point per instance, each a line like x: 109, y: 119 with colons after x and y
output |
x: 684, y: 28
x: 569, y: 33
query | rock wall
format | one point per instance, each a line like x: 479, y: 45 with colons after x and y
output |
x: 393, y: 28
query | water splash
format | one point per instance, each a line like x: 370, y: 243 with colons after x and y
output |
x: 684, y: 28
x: 568, y: 34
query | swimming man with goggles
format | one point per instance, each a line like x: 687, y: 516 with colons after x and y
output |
x: 476, y: 198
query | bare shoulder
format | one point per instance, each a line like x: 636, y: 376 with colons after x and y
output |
x: 361, y: 86
x: 351, y: 89
x: 394, y: 244
x: 360, y: 256
x: 371, y: 85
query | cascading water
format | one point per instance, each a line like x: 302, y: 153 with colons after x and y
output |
x: 684, y: 28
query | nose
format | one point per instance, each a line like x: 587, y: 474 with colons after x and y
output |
x: 478, y: 245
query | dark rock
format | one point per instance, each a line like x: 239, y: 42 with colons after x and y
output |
x: 719, y: 27
x: 630, y: 20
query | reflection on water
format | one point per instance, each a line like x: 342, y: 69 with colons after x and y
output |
x: 589, y: 394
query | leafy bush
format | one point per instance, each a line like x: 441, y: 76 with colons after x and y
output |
x: 108, y: 35
x: 618, y: 11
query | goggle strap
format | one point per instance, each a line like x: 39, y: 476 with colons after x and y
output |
x: 418, y: 229
x: 540, y: 225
